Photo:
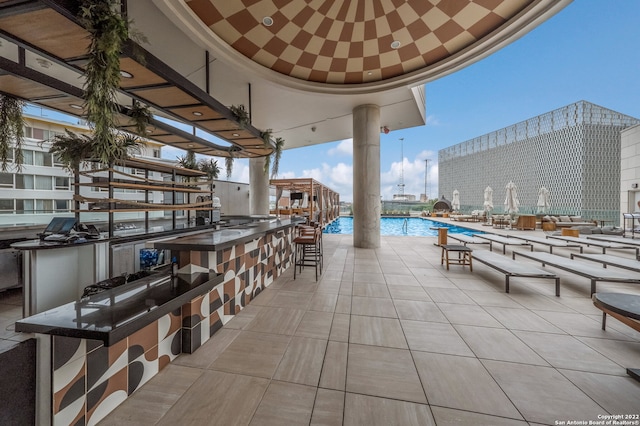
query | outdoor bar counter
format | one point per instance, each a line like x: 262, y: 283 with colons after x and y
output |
x: 93, y: 353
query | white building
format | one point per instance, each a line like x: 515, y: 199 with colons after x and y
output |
x: 43, y: 188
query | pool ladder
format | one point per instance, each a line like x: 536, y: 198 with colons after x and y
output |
x: 405, y: 226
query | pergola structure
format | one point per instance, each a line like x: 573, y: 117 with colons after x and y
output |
x: 308, y: 72
x: 323, y: 203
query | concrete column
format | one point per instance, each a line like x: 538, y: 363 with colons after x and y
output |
x: 366, y: 176
x: 258, y: 187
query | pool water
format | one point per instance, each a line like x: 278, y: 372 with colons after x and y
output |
x: 415, y: 227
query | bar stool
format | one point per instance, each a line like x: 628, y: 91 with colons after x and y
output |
x: 308, y: 249
x: 464, y: 255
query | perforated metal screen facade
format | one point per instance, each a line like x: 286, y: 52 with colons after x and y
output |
x: 573, y: 151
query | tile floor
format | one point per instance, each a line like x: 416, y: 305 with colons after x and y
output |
x: 10, y: 311
x: 390, y: 337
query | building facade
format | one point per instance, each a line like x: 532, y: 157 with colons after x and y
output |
x: 42, y: 188
x: 573, y: 151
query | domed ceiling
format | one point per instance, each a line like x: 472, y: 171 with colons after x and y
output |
x: 357, y: 41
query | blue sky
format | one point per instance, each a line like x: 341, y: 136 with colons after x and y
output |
x: 586, y: 52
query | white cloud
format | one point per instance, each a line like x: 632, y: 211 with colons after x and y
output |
x: 345, y: 147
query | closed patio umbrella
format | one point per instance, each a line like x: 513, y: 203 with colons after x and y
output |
x: 543, y: 200
x: 488, y: 199
x: 455, y: 203
x: 511, y: 203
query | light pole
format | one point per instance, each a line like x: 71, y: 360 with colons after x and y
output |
x: 426, y: 173
x: 401, y: 184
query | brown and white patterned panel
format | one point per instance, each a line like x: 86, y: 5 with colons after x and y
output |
x: 107, y: 380
x: 169, y: 337
x: 142, y: 356
x: 349, y: 42
x: 195, y: 323
x: 69, y: 375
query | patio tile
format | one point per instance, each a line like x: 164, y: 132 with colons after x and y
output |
x: 419, y: 311
x: 471, y: 284
x: 315, y: 324
x: 276, y: 321
x: 468, y: 315
x: 449, y: 295
x: 450, y: 417
x: 498, y: 344
x: 242, y: 319
x: 542, y: 394
x: 408, y: 292
x: 285, y: 404
x: 373, y: 307
x: 492, y: 298
x: 334, y: 369
x: 328, y: 286
x: 521, y: 319
x: 563, y: 351
x: 340, y: 328
x: 346, y: 288
x: 199, y: 404
x: 253, y: 354
x: 343, y: 305
x: 384, y: 372
x: 370, y: 290
x: 325, y: 302
x: 616, y: 394
x: 290, y: 299
x: 400, y: 279
x: 622, y: 352
x: 581, y: 325
x: 265, y: 296
x: 434, y: 337
x: 302, y: 361
x: 541, y: 302
x: 462, y: 383
x: 374, y: 411
x: 377, y: 331
x: 210, y: 351
x: 373, y: 275
x: 328, y: 409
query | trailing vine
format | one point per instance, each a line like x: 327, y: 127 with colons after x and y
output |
x: 228, y: 163
x: 277, y: 153
x: 11, y: 131
x: 140, y: 117
x: 108, y: 32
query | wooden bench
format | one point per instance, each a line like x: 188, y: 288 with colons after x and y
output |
x: 466, y: 239
x: 596, y: 243
x: 511, y: 268
x: 623, y: 307
x: 549, y: 242
x: 492, y: 238
x: 587, y: 270
x: 607, y: 259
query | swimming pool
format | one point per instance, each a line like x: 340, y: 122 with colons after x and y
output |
x: 415, y: 227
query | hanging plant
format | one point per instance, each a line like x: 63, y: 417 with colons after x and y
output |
x: 73, y: 150
x: 266, y: 137
x: 11, y: 131
x: 210, y: 167
x: 228, y: 163
x: 102, y: 71
x: 188, y: 161
x: 241, y: 115
x: 140, y: 117
x: 277, y: 153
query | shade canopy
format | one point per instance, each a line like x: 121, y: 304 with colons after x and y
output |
x: 511, y: 203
